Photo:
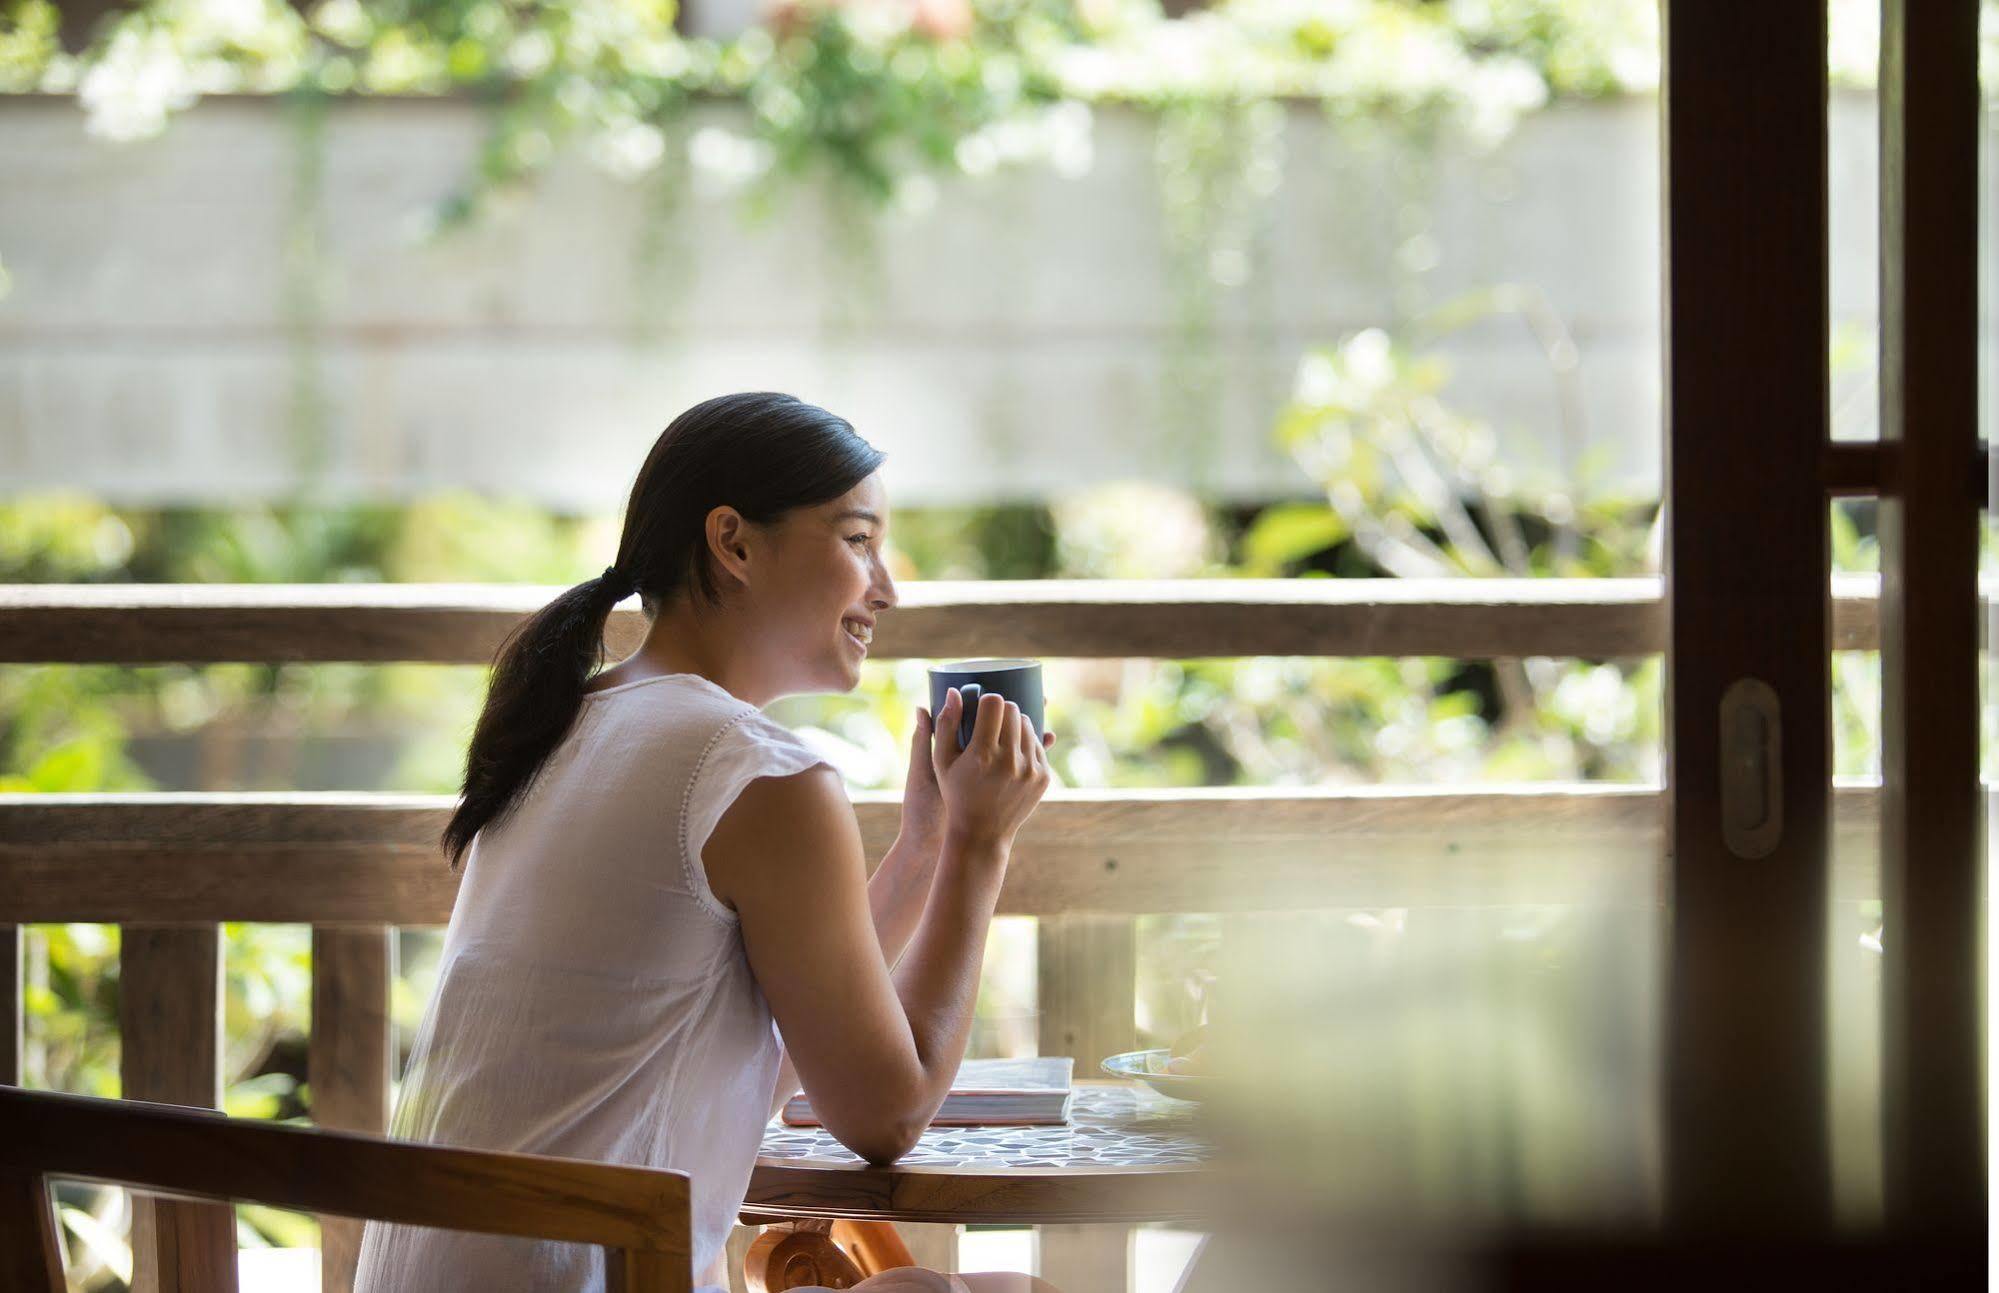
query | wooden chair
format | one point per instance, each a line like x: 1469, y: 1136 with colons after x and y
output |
x: 639, y: 1215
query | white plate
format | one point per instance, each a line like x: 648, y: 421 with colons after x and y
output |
x: 1149, y: 1067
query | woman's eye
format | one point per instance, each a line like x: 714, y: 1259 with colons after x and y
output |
x: 861, y: 539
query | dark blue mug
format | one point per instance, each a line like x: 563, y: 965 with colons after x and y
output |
x: 1017, y: 680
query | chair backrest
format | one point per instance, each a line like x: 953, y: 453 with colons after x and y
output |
x: 639, y: 1215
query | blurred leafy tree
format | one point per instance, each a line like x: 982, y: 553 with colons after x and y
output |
x: 875, y: 94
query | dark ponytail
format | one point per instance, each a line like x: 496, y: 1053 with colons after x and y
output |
x: 761, y: 453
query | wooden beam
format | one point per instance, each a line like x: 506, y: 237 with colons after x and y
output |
x: 336, y: 859
x: 1168, y: 619
x: 170, y: 1035
x: 1933, y: 1091
x: 1857, y: 468
x: 12, y: 985
x: 347, y: 1062
x: 465, y: 623
x: 1745, y: 139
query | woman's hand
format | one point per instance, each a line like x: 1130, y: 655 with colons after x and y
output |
x: 922, y: 800
x: 992, y: 785
x: 876, y: 1047
x: 922, y: 803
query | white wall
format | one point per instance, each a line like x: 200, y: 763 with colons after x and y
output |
x: 1012, y: 342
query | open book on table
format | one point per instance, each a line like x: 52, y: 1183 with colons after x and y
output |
x: 989, y: 1093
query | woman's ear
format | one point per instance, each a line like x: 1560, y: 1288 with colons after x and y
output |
x: 728, y: 535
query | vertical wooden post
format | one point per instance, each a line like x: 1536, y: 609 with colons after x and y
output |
x: 27, y: 1228
x: 935, y: 1247
x: 738, y: 1248
x: 1086, y: 1257
x: 170, y: 1027
x: 11, y: 986
x: 347, y: 1061
x: 1747, y: 661
x: 30, y: 1255
x: 1087, y: 969
x: 1932, y: 1088
x: 639, y: 1270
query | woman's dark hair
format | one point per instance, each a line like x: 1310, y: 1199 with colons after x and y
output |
x: 763, y: 454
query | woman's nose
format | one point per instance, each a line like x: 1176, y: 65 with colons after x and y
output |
x: 883, y: 593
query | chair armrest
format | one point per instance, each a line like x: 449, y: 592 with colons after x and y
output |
x: 639, y: 1214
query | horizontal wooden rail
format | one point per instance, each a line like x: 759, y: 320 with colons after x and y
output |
x: 1180, y: 619
x: 372, y: 859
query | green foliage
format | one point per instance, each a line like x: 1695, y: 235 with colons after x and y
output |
x: 29, y: 43
x: 876, y: 97
x: 870, y: 92
x: 973, y: 543
x: 1284, y: 538
x: 70, y: 999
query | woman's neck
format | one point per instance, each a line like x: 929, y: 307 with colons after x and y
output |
x: 680, y: 641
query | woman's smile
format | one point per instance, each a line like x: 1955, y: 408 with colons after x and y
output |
x: 862, y: 632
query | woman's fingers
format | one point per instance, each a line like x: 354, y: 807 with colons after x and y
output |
x: 920, y: 753
x: 1009, y: 742
x: 1030, y: 744
x: 989, y: 728
x: 944, y: 733
x: 999, y: 729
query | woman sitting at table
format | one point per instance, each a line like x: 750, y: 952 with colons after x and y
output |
x: 655, y: 873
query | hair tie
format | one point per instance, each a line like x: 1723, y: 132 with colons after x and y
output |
x: 617, y: 583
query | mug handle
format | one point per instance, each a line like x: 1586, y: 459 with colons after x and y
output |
x: 967, y: 716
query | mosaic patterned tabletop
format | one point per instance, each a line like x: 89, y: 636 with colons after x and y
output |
x: 1111, y: 1126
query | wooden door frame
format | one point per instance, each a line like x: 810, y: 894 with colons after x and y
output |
x: 1743, y: 96
x: 1749, y: 471
x: 1933, y: 1098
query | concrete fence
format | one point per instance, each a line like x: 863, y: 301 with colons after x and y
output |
x: 239, y: 310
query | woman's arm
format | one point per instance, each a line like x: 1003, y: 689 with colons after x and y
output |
x: 900, y: 886
x: 897, y: 892
x: 877, y: 1051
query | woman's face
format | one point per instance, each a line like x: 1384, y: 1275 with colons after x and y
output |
x: 820, y: 588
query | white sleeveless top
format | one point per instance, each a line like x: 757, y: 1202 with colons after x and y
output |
x: 593, y: 1000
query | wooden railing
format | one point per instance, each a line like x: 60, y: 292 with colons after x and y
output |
x: 170, y: 867
x: 1168, y: 619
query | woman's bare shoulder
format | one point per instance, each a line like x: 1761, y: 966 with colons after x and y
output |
x: 777, y: 827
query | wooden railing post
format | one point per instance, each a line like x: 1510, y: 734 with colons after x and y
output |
x: 1932, y: 862
x: 1088, y: 973
x: 347, y: 1061
x: 1087, y: 967
x: 1086, y: 1257
x: 933, y: 1247
x: 170, y: 1028
x: 11, y: 986
x: 29, y: 1245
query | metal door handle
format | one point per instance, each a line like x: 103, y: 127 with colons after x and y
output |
x: 1752, y: 768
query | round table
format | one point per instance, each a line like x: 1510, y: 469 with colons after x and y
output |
x: 1126, y: 1155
